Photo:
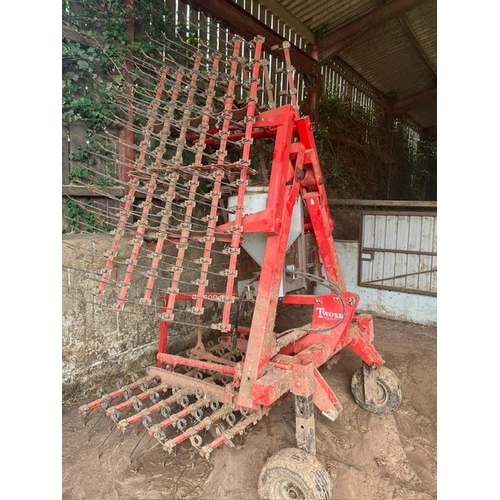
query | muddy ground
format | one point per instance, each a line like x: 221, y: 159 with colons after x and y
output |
x: 368, y: 457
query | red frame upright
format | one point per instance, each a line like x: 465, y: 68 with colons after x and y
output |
x: 272, y: 365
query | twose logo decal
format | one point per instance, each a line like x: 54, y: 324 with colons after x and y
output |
x: 325, y: 314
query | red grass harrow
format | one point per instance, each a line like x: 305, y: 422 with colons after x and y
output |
x: 195, y: 167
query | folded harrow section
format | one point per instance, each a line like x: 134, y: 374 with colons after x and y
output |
x: 184, y: 179
x: 195, y: 151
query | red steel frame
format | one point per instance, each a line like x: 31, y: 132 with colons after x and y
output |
x: 260, y: 365
x: 272, y: 365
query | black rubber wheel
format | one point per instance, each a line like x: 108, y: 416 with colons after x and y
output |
x: 293, y: 474
x: 388, y: 396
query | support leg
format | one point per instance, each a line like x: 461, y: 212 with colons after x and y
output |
x: 305, y: 432
x: 304, y: 424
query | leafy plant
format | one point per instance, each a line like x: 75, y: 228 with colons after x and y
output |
x: 80, y: 174
x: 82, y: 217
x: 74, y: 212
x: 364, y: 156
x: 106, y: 181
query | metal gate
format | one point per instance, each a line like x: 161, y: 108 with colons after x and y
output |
x: 398, y: 251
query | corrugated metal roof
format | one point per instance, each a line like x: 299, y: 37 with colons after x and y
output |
x: 328, y: 15
x: 397, y: 54
x: 389, y: 61
x: 423, y: 21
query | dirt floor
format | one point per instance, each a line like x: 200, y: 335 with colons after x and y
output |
x: 368, y: 457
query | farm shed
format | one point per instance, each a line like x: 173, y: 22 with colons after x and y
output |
x: 364, y: 73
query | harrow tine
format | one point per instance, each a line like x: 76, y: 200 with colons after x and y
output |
x: 101, y: 446
x: 146, y: 450
x: 98, y: 419
x: 144, y: 434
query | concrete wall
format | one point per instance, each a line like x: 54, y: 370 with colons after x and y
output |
x: 419, y: 309
x: 99, y: 344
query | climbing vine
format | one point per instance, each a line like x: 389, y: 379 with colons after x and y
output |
x: 95, y: 49
x: 364, y: 156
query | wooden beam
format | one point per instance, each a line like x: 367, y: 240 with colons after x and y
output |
x: 93, y: 191
x: 287, y: 17
x: 416, y: 42
x: 403, y: 107
x: 244, y: 24
x: 70, y: 33
x: 332, y: 43
x: 333, y: 202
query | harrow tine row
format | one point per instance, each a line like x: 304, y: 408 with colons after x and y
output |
x: 176, y: 419
x: 218, y: 175
x: 226, y: 436
x: 192, y: 433
x: 243, y: 180
x: 105, y: 400
x: 171, y: 415
x: 136, y: 402
x: 134, y: 183
x: 190, y: 203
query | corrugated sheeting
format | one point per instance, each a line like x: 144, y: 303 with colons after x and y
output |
x: 387, y: 58
x: 398, y: 56
x: 423, y: 20
x: 328, y: 15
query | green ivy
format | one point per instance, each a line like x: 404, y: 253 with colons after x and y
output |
x: 82, y: 217
x: 364, y: 156
x: 74, y: 212
x: 80, y: 174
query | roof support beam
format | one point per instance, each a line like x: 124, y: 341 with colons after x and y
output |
x: 333, y: 43
x: 243, y: 23
x: 403, y: 107
x: 416, y: 42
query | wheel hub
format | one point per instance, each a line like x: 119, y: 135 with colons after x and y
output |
x: 289, y: 491
x: 380, y: 396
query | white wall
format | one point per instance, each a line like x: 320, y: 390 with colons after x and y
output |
x: 420, y: 309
